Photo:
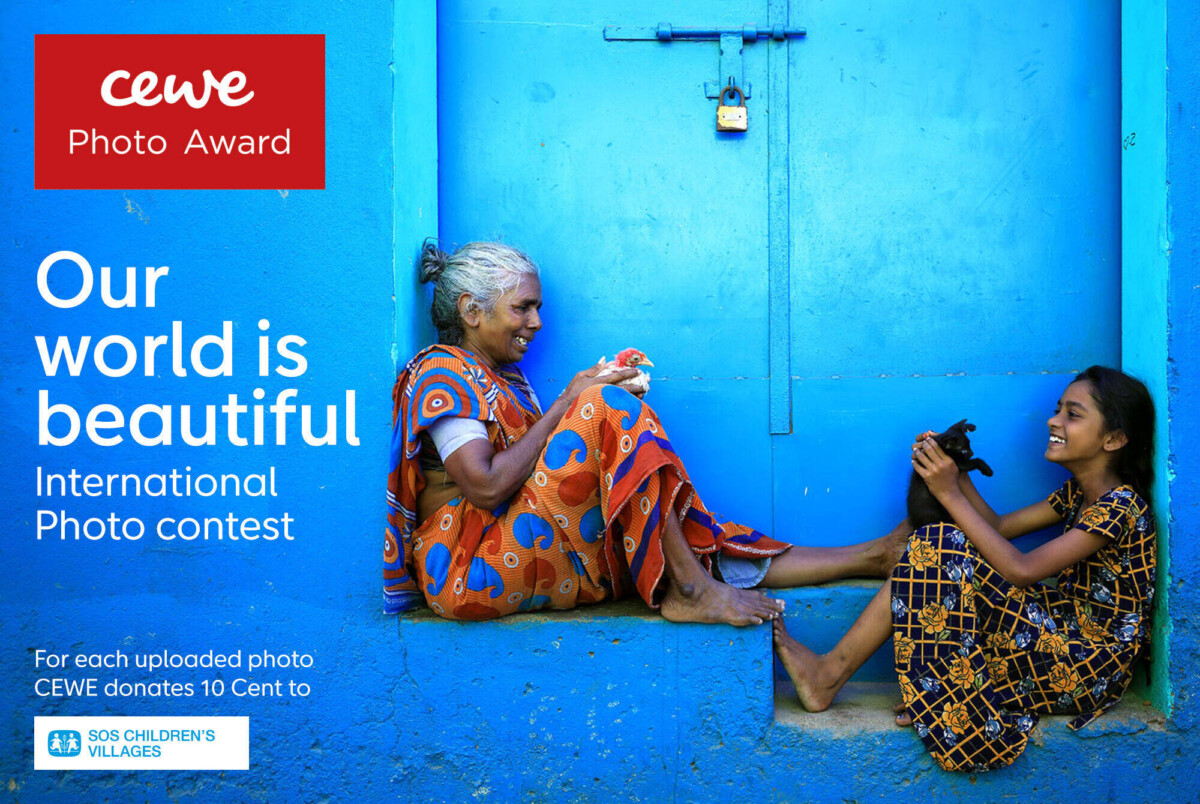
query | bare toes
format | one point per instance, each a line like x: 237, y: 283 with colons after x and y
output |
x: 762, y: 606
x: 769, y: 607
x: 775, y: 605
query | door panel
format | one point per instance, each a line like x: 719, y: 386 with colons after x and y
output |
x: 955, y: 180
x: 953, y: 215
x: 955, y: 243
x: 602, y: 161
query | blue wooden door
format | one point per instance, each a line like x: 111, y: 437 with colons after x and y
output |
x: 921, y: 225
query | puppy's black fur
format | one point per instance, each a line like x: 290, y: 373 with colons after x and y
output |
x: 923, y: 507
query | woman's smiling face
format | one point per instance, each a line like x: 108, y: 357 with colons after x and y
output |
x: 503, y: 335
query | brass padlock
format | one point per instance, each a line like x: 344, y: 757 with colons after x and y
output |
x: 731, y: 118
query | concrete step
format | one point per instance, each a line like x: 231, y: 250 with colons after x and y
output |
x: 613, y: 702
x: 613, y: 690
x: 866, y: 706
x: 855, y: 751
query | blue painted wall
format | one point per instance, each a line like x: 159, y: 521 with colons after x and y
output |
x: 1183, y: 391
x: 315, y: 263
x: 1145, y: 250
x: 415, y: 151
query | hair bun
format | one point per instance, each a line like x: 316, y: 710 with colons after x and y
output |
x: 433, y: 261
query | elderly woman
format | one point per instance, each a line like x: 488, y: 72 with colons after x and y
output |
x: 497, y: 506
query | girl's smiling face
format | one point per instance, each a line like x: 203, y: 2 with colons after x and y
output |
x: 503, y: 335
x: 1077, y: 429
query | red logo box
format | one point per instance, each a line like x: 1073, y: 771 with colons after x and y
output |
x: 179, y: 112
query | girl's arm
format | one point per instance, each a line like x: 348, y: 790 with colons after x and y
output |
x: 1017, y: 523
x: 488, y: 478
x: 1021, y: 569
x: 967, y: 487
x: 1010, y: 526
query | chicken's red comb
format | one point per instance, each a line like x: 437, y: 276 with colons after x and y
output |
x: 622, y: 358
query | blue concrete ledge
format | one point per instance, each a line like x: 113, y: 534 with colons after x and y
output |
x: 595, y: 702
x: 599, y: 704
x: 613, y: 701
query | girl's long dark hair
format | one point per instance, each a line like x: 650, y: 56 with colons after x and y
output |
x: 1126, y: 405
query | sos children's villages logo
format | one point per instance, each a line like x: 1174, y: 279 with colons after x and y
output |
x: 176, y: 112
x: 64, y: 743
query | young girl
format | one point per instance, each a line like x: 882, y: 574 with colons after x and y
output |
x: 982, y: 647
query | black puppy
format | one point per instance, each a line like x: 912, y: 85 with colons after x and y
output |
x: 923, y: 507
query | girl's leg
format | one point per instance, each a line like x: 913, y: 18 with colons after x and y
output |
x: 950, y: 610
x: 694, y: 596
x: 804, y: 566
x: 819, y: 678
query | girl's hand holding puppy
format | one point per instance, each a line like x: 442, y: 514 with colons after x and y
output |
x: 937, y: 469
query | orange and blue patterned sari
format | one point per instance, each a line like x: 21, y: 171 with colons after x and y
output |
x: 586, y: 526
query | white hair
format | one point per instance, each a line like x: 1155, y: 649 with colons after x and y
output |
x: 483, y: 271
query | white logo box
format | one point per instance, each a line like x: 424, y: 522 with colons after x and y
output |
x: 137, y: 743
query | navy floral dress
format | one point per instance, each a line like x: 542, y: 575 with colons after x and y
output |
x: 978, y: 658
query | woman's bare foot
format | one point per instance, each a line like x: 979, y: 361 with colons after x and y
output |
x: 887, y: 550
x: 816, y: 685
x: 903, y: 718
x: 707, y: 600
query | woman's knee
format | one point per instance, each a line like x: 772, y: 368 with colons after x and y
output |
x: 609, y: 397
x: 609, y: 403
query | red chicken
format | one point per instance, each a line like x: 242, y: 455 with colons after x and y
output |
x: 630, y: 358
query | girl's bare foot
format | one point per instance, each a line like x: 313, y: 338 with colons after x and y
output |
x: 706, y: 600
x: 816, y: 684
x: 903, y: 718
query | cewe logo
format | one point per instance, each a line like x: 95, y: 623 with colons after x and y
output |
x: 179, y: 112
x: 64, y: 743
